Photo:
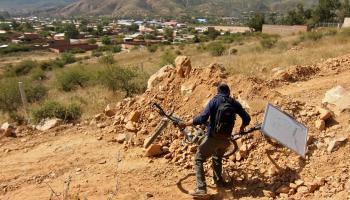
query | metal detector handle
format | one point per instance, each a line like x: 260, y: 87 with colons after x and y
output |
x: 159, y: 108
x: 255, y: 128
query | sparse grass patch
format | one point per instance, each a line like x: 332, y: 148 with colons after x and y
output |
x: 152, y: 48
x: 22, y: 68
x: 268, y: 42
x: 314, y: 36
x: 53, y: 109
x: 10, y: 99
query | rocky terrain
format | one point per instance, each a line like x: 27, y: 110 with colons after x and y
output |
x: 104, y: 158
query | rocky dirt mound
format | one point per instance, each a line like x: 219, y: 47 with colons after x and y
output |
x: 261, y: 167
x: 260, y: 162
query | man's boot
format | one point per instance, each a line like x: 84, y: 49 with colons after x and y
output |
x: 198, y: 192
x: 222, y: 184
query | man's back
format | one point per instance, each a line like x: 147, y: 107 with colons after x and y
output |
x: 211, y: 109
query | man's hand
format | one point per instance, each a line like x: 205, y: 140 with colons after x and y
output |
x: 185, y: 124
x: 241, y: 129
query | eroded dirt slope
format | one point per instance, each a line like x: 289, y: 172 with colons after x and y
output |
x: 104, y: 159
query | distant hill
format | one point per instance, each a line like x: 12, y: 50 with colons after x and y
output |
x: 24, y: 6
x: 175, y: 7
x: 148, y: 7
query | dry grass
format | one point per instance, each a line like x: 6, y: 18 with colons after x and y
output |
x: 251, y: 59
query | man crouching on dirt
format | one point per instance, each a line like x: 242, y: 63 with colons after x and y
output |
x: 221, y: 110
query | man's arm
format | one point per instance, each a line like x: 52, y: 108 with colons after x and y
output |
x: 200, y: 119
x: 244, y: 116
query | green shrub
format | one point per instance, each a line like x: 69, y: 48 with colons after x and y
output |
x: 167, y: 58
x: 72, y: 78
x: 10, y: 99
x: 76, y: 50
x: 268, y: 42
x: 13, y: 48
x: 35, y: 92
x: 314, y: 36
x: 92, y: 41
x: 17, y: 117
x: 106, y: 40
x: 111, y: 48
x: 152, y: 48
x: 95, y: 53
x: 38, y: 74
x: 107, y: 59
x: 67, y: 58
x: 120, y: 78
x: 53, y: 109
x: 216, y: 48
x: 22, y: 68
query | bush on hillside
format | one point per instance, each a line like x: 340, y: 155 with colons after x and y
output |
x: 76, y: 50
x: 216, y: 48
x: 152, y: 48
x: 92, y: 41
x: 37, y: 74
x: 97, y: 54
x: 73, y: 78
x: 117, y: 78
x: 22, y: 68
x: 67, y: 58
x: 268, y: 42
x: 111, y: 48
x: 107, y: 59
x: 10, y: 98
x: 53, y: 109
x: 314, y: 36
x: 13, y: 48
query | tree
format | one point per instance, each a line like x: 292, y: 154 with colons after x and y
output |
x: 212, y: 33
x: 70, y: 31
x: 15, y: 24
x: 168, y: 33
x: 344, y: 11
x: 256, y: 22
x: 326, y: 11
x: 5, y: 27
x: 26, y: 27
x: 120, y: 78
x: 272, y: 18
x: 99, y: 29
x: 133, y: 28
x: 106, y: 40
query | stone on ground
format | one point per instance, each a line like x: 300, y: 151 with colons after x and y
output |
x: 109, y: 111
x: 8, y: 130
x: 154, y: 150
x: 334, y: 144
x: 48, y: 124
x: 134, y: 116
x: 320, y: 125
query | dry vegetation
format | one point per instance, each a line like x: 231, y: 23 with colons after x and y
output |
x: 253, y: 57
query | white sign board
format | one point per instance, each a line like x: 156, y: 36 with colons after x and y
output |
x: 286, y: 130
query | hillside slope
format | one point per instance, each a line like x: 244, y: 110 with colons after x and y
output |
x: 32, y: 5
x: 86, y: 161
x: 175, y: 7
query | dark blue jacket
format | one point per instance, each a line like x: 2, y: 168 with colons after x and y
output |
x: 211, y: 109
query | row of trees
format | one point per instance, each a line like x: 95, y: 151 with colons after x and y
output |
x: 326, y: 11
